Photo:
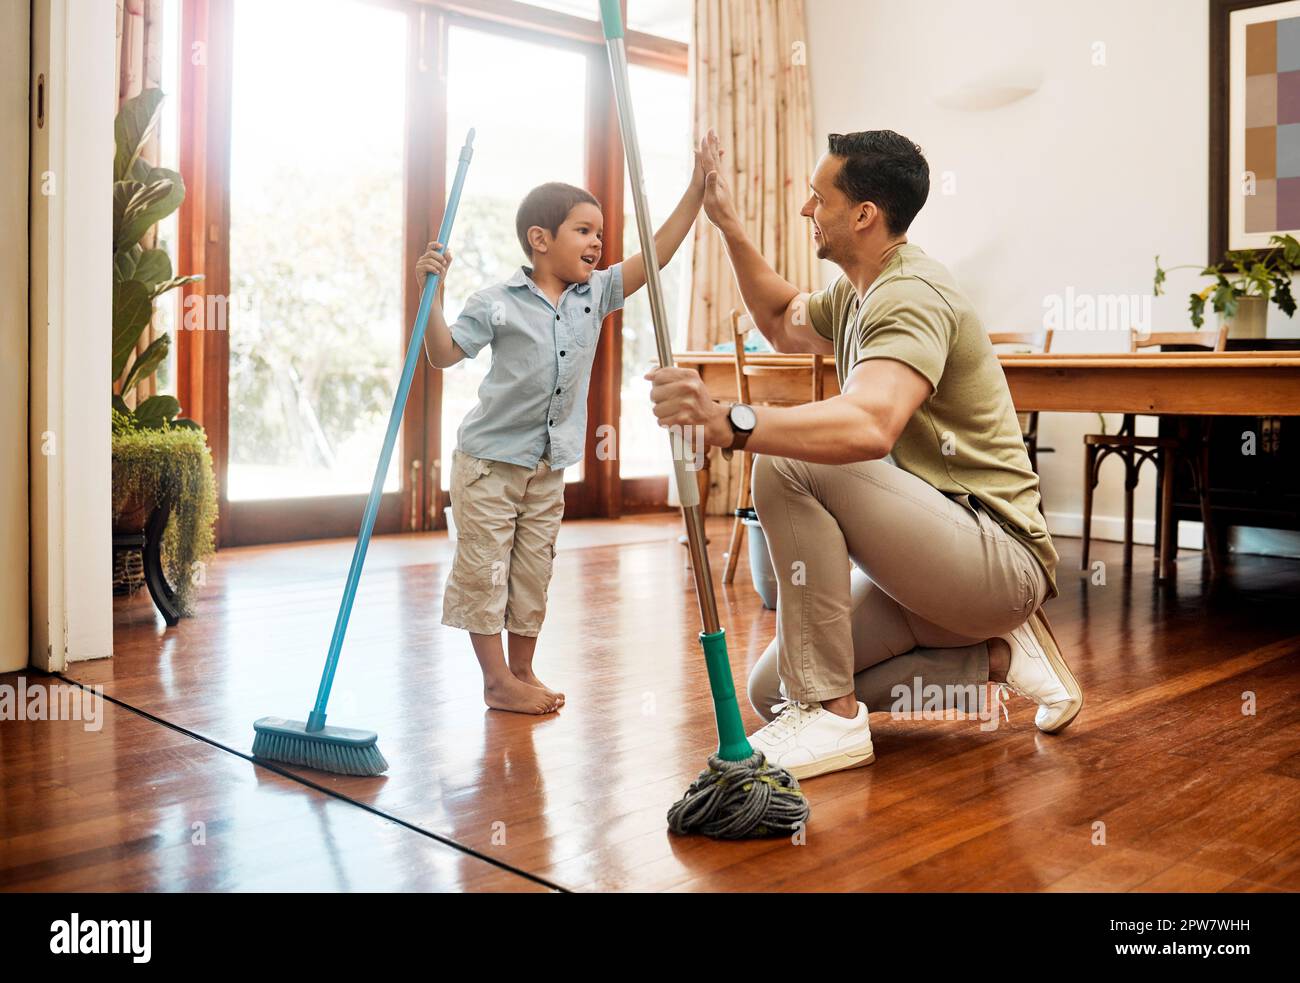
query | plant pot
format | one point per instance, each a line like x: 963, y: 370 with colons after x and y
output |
x: 135, y: 513
x: 164, y: 496
x: 1251, y: 319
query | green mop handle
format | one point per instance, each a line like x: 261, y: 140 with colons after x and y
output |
x: 316, y: 721
x: 732, y: 743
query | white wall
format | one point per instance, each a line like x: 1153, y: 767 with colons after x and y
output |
x: 14, y: 62
x: 1078, y: 185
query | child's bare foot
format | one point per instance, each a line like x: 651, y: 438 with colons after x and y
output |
x: 526, y: 675
x: 518, y: 697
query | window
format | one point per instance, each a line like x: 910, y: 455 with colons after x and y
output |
x: 660, y: 102
x: 665, y: 18
x: 489, y: 78
x: 316, y: 241
x: 325, y: 140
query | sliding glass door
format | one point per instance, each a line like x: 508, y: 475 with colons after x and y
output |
x: 318, y: 139
x: 318, y: 115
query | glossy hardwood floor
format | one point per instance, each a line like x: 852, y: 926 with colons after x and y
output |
x: 113, y: 801
x: 1161, y: 784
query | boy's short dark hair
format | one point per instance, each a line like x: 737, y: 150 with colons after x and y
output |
x: 547, y: 206
x: 886, y: 168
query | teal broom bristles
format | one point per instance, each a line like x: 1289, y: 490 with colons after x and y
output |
x: 311, y: 743
x: 338, y: 749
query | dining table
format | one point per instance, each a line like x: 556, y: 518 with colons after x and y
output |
x: 1184, y: 384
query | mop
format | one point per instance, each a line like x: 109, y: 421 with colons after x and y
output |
x: 739, y: 794
x: 346, y: 750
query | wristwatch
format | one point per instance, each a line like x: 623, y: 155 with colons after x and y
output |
x: 743, y: 419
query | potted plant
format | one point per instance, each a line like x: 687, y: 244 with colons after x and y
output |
x: 162, y: 469
x: 1243, y: 284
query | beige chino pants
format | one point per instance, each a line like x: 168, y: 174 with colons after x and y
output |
x: 507, y: 520
x: 934, y: 580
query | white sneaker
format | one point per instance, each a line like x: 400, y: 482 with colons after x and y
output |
x: 1038, y: 672
x: 807, y: 740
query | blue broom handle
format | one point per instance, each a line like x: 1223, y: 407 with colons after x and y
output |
x: 317, y: 719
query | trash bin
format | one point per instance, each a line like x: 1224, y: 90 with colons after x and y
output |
x: 760, y: 561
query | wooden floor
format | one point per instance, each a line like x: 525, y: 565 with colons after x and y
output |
x: 1161, y: 784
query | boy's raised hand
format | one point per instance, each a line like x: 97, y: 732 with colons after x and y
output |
x: 702, y: 165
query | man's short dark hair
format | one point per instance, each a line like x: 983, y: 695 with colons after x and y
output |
x: 885, y: 168
x: 547, y: 206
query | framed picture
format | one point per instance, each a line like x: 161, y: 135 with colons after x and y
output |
x: 1254, y: 123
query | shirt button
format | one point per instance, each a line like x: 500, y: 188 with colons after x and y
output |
x: 561, y: 354
x: 587, y: 309
x: 557, y: 317
x: 551, y: 422
x: 557, y: 392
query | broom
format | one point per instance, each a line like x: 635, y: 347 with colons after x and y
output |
x: 345, y: 750
x: 739, y: 794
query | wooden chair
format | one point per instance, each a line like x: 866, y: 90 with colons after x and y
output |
x: 1166, y: 453
x: 809, y: 367
x: 1032, y: 341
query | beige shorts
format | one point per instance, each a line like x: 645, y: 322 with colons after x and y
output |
x: 507, y: 519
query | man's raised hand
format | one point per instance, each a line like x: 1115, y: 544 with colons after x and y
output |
x: 718, y: 205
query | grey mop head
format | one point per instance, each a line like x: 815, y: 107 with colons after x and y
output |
x: 338, y: 749
x: 732, y: 800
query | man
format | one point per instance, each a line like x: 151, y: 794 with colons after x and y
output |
x: 953, y: 558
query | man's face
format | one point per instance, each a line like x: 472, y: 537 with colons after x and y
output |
x: 831, y: 211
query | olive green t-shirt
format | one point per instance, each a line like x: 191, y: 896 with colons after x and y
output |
x: 965, y: 439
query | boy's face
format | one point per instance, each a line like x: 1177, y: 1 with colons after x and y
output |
x: 574, y: 251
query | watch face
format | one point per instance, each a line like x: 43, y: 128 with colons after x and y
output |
x: 743, y: 417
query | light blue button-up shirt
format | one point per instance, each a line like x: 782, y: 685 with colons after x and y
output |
x: 534, y: 396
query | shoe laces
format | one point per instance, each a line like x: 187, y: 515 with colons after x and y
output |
x: 790, y: 716
x: 1001, y: 694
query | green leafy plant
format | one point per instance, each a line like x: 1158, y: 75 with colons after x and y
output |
x: 142, y: 196
x: 1261, y: 273
x: 159, y: 459
x: 168, y: 465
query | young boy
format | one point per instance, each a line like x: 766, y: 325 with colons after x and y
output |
x: 507, y: 481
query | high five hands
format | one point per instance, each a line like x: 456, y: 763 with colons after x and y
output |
x: 718, y: 204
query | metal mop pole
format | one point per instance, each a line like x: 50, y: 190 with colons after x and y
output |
x: 733, y: 745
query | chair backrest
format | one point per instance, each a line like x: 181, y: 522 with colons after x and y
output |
x: 1201, y: 339
x: 741, y: 324
x: 1034, y: 340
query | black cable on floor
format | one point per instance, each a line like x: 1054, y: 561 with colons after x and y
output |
x: 293, y: 776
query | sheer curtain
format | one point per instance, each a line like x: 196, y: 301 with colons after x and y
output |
x: 749, y: 80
